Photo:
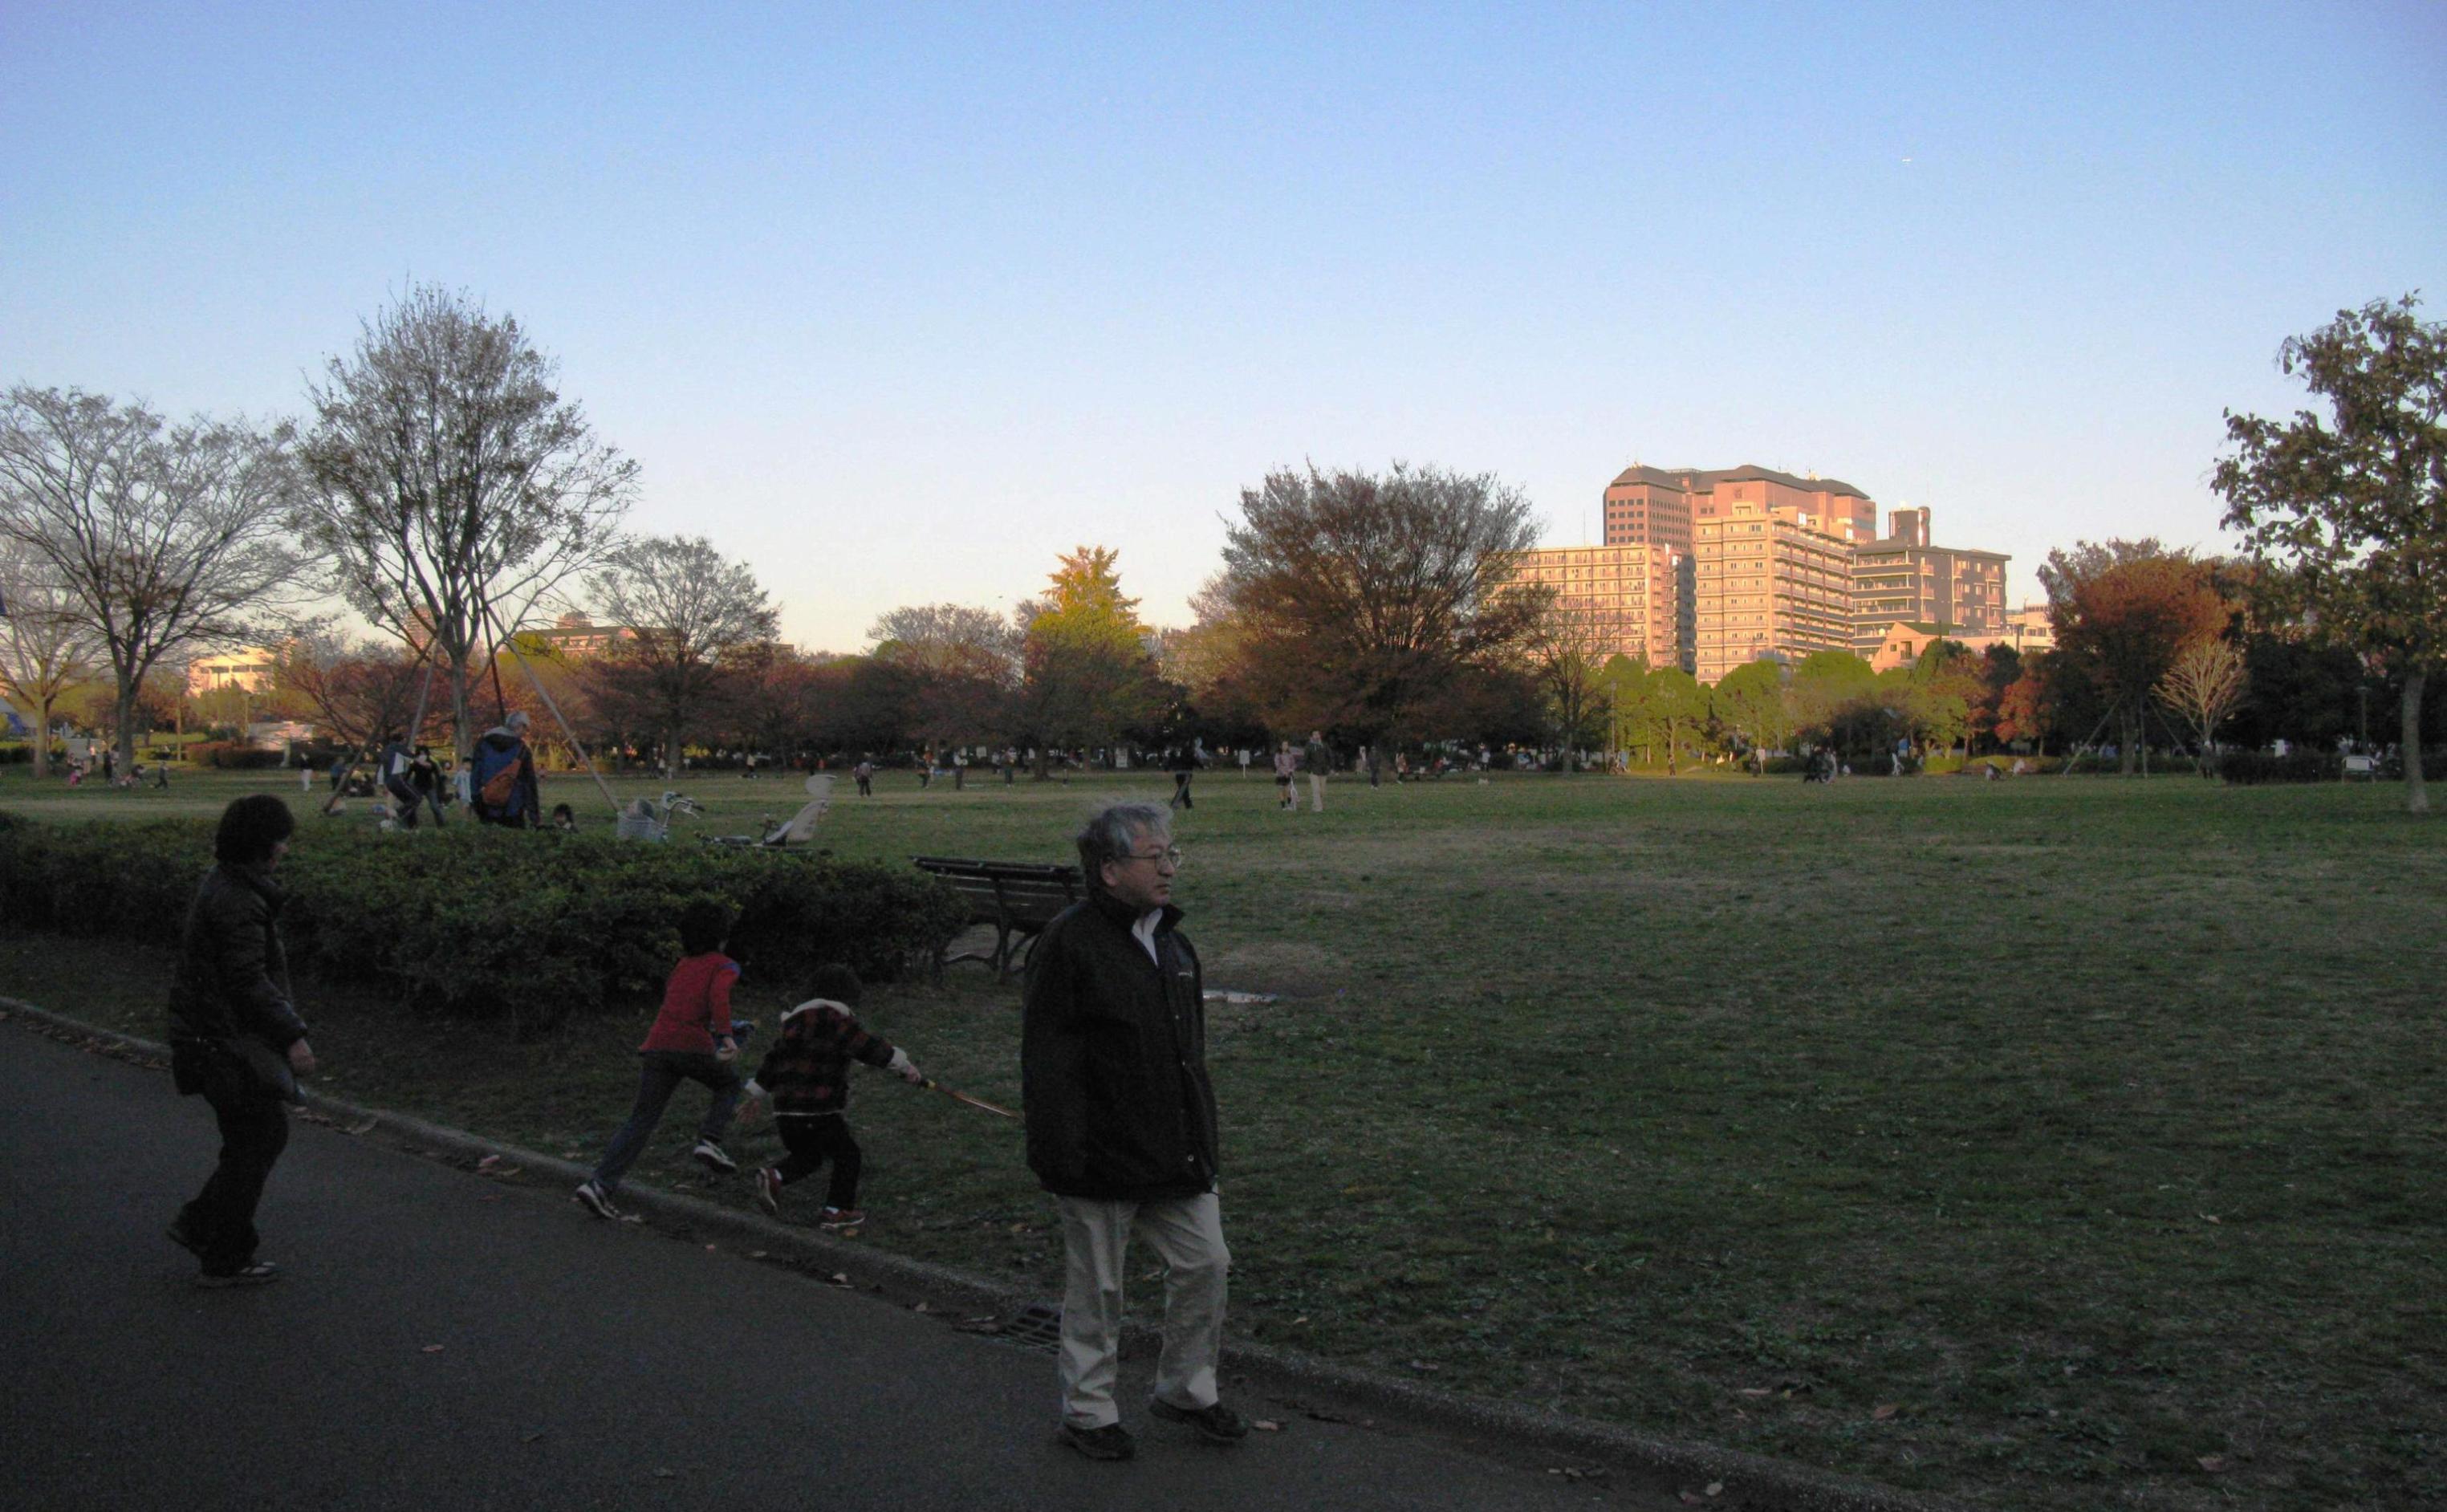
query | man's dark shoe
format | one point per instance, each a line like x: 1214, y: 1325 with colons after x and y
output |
x: 1216, y: 1424
x: 1112, y: 1441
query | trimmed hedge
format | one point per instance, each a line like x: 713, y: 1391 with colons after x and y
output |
x: 2247, y: 768
x: 526, y: 926
x: 233, y: 756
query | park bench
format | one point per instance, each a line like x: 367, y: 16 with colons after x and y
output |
x: 2362, y: 766
x: 1018, y: 898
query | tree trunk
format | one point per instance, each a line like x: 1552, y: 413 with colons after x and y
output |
x: 124, y: 738
x: 671, y: 755
x: 42, y: 739
x: 2128, y: 733
x: 463, y: 735
x: 2416, y: 800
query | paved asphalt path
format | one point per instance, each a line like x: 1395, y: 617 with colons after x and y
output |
x: 579, y: 1364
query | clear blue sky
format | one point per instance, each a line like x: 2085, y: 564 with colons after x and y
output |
x: 897, y: 302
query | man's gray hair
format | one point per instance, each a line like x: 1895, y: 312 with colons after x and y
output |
x: 1109, y: 835
x: 517, y: 721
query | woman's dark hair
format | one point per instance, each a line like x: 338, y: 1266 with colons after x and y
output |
x: 704, y: 925
x: 836, y: 982
x: 250, y: 827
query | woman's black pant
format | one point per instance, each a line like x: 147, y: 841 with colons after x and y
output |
x: 255, y: 1129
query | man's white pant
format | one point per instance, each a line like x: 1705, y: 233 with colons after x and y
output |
x: 1188, y: 1233
x: 1316, y: 791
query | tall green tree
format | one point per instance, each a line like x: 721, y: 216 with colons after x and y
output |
x: 1748, y: 705
x: 2354, y: 505
x: 1089, y: 675
x: 1566, y: 652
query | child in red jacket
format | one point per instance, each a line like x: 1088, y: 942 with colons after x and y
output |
x: 806, y: 1074
x: 691, y: 1040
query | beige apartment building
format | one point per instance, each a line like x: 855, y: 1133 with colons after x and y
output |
x: 1664, y: 505
x: 1904, y: 579
x: 1768, y: 583
x: 1639, y: 595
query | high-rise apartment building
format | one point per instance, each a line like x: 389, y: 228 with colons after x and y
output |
x: 1902, y: 578
x: 1637, y: 597
x: 1665, y: 504
x: 1768, y: 583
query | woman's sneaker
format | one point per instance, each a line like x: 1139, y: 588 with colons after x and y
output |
x: 714, y: 1158
x: 595, y: 1201
x: 840, y: 1217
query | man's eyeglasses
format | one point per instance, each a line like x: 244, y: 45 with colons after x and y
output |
x: 1170, y: 853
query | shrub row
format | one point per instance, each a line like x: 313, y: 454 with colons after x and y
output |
x: 523, y: 926
x: 234, y: 756
x: 2246, y: 768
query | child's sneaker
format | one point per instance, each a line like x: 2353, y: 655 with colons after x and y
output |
x: 595, y: 1201
x: 840, y: 1217
x: 768, y: 1190
x: 714, y: 1158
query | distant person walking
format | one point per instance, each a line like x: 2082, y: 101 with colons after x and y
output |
x: 1285, y: 764
x: 1122, y: 1130
x: 236, y: 1039
x: 1184, y: 769
x: 1318, y: 758
x: 864, y: 773
x: 691, y: 1040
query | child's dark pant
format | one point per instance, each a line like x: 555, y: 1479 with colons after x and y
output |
x: 813, y: 1140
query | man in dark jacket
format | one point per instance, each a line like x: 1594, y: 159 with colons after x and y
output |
x: 232, y: 1029
x: 1121, y: 1129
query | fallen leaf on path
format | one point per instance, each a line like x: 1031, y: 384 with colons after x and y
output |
x: 2212, y: 1463
x: 664, y: 1475
x: 434, y: 1349
x: 1267, y: 1425
x: 755, y: 1254
x: 360, y: 1128
x: 1883, y: 1412
x: 1716, y: 1488
x: 532, y: 1438
x: 922, y: 1308
x: 488, y: 1162
x: 839, y: 1278
x: 709, y: 1249
x: 633, y: 1218
x: 1692, y: 1499
x: 1758, y: 1391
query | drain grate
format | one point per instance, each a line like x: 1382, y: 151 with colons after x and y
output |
x: 1037, y: 1326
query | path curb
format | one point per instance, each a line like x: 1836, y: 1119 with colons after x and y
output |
x: 1749, y: 1481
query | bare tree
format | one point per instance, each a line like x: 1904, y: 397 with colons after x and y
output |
x: 949, y: 639
x: 2204, y: 684
x: 1568, y: 649
x: 686, y: 609
x: 161, y: 538
x: 46, y: 650
x: 363, y: 690
x: 453, y: 486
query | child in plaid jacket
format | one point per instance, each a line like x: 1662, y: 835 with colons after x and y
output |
x: 806, y: 1076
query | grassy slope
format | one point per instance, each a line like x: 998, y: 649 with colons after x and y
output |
x: 2093, y: 1127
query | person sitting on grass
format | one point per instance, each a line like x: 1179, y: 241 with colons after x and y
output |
x: 806, y: 1076
x: 691, y: 1040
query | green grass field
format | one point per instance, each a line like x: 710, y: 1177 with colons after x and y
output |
x: 2053, y: 1142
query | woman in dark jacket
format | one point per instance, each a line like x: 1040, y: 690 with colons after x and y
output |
x: 236, y: 1038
